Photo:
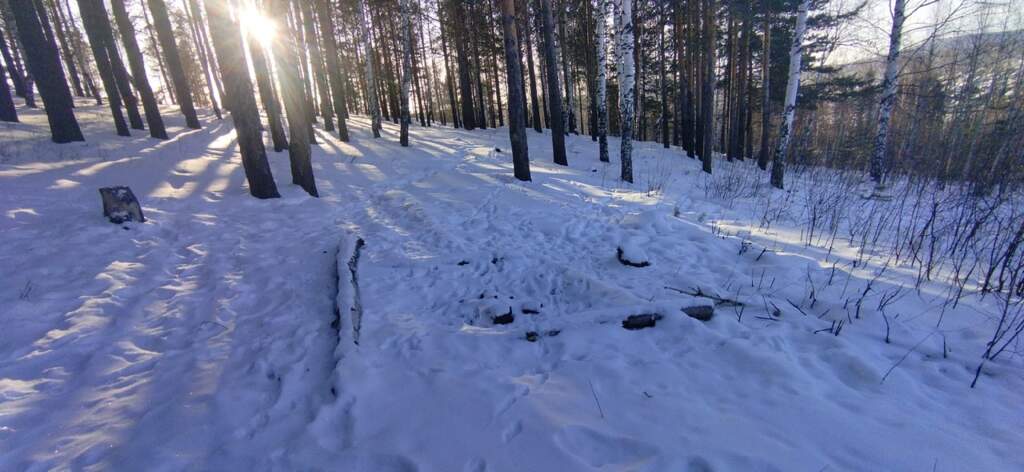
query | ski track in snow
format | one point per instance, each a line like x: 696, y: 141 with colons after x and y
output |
x: 202, y: 339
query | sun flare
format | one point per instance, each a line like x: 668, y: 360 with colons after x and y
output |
x: 258, y: 26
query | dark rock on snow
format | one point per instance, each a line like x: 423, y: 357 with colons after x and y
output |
x: 646, y: 320
x: 626, y: 261
x: 701, y: 312
x: 506, y: 318
x: 120, y: 205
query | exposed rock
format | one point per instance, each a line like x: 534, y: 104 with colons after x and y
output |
x: 505, y: 318
x: 700, y: 312
x: 646, y: 320
x: 630, y: 259
x: 120, y: 205
x: 532, y: 336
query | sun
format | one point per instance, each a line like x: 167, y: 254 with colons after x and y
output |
x: 258, y: 26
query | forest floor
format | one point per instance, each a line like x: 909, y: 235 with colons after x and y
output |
x: 202, y: 339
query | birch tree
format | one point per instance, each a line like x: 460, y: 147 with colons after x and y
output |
x: 406, y: 13
x: 603, y: 12
x: 792, y: 87
x: 371, y: 81
x: 888, y: 99
x: 627, y: 71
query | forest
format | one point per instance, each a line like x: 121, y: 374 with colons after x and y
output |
x: 564, y: 234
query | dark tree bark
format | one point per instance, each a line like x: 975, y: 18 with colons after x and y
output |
x: 766, y: 115
x: 405, y: 118
x: 227, y: 45
x: 449, y: 75
x: 514, y: 77
x: 265, y: 82
x: 138, y: 66
x: 44, y: 64
x: 195, y: 20
x: 554, y: 95
x: 663, y: 85
x: 534, y: 103
x: 65, y: 48
x: 169, y: 47
x: 469, y: 117
x: 93, y: 16
x: 17, y: 75
x: 334, y: 70
x: 154, y: 45
x: 322, y: 85
x: 296, y: 106
x: 7, y: 110
x: 708, y: 94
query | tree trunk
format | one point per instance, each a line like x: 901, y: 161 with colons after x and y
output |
x: 888, y: 100
x: 135, y: 61
x: 406, y: 14
x: 239, y: 99
x: 663, y: 85
x: 603, y: 11
x: 65, y: 48
x: 7, y: 110
x: 334, y: 71
x: 766, y: 115
x: 371, y: 84
x: 121, y: 77
x: 93, y: 16
x: 554, y: 94
x: 154, y: 45
x: 322, y: 85
x: 514, y: 80
x: 296, y: 106
x: 195, y: 19
x: 624, y: 27
x: 534, y: 103
x: 708, y: 94
x: 44, y: 64
x: 164, y: 32
x: 792, y: 87
x: 265, y: 83
x: 468, y: 113
x: 17, y: 75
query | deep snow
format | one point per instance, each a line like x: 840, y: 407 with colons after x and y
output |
x: 203, y: 338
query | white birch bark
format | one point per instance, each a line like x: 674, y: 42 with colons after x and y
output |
x: 888, y: 99
x: 371, y: 83
x: 603, y: 12
x: 627, y: 71
x: 792, y: 87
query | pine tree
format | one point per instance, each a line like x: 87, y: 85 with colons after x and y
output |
x: 514, y: 78
x: 766, y: 115
x: 92, y: 17
x: 334, y: 70
x: 169, y: 47
x: 406, y: 14
x: 707, y: 101
x: 227, y: 45
x: 7, y: 110
x: 44, y: 63
x: 375, y: 123
x: 554, y: 94
x: 138, y: 66
x: 295, y: 104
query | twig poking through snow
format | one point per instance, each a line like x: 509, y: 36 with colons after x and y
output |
x: 596, y: 400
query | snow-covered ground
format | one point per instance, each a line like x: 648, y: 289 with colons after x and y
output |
x: 203, y: 338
